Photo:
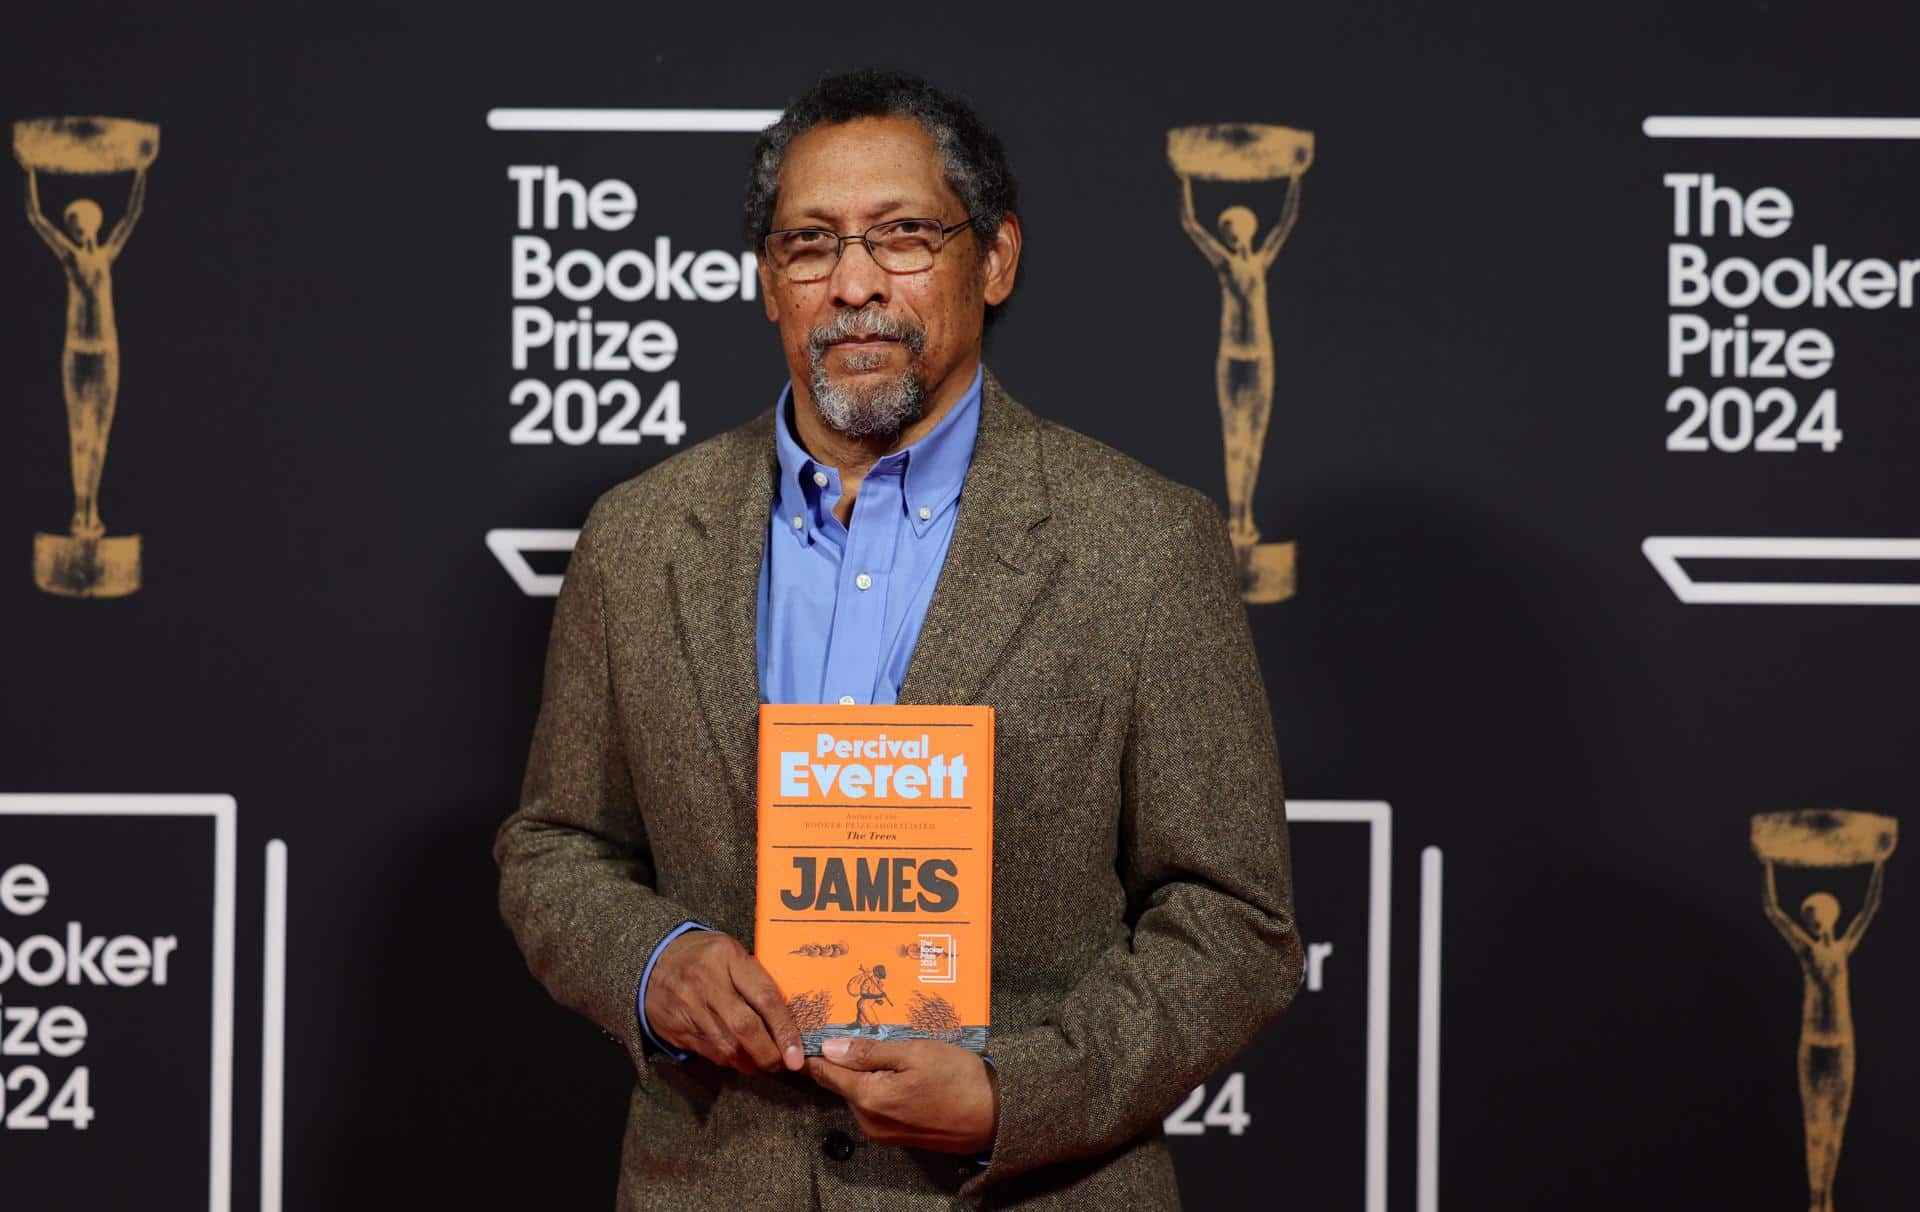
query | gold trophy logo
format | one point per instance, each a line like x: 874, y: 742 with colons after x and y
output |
x: 86, y: 562
x: 1826, y: 1057
x: 1244, y: 372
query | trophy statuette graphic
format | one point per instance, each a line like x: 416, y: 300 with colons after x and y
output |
x: 1244, y: 153
x: 1824, y: 840
x: 86, y: 562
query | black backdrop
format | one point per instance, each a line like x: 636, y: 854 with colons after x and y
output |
x: 1469, y: 443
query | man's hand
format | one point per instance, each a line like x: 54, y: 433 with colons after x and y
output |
x: 707, y: 995
x: 917, y: 1093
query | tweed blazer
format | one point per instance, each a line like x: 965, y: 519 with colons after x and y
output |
x: 1143, y: 928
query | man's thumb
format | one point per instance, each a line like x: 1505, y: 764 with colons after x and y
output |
x: 861, y: 1053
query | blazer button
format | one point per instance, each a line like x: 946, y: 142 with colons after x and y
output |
x: 837, y: 1145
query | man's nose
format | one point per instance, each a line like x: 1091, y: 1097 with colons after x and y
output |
x: 858, y: 279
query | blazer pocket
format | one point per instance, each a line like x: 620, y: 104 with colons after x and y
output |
x: 1050, y: 717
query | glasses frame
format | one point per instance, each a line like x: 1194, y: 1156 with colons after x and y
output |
x: 864, y: 240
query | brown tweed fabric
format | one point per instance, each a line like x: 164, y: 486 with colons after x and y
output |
x: 1143, y: 919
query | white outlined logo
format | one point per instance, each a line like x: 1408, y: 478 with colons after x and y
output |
x: 1227, y: 1107
x: 594, y: 344
x: 510, y: 547
x: 570, y: 411
x: 937, y: 965
x: 1666, y: 553
x: 215, y: 948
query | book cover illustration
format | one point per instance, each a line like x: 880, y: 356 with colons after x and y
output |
x: 874, y: 905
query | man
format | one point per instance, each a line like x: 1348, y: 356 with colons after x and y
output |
x: 898, y: 529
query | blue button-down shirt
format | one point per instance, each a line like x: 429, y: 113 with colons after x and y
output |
x: 841, y: 606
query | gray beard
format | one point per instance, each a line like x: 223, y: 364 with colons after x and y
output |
x: 873, y: 412
x: 876, y: 412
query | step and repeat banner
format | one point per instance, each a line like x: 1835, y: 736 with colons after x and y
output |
x: 1559, y: 387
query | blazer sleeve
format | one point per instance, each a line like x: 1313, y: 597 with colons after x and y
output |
x: 576, y: 870
x: 1214, y: 955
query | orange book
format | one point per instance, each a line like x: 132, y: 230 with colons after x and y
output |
x: 874, y: 910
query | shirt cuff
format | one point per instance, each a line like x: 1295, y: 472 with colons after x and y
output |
x: 640, y: 994
x: 985, y: 1159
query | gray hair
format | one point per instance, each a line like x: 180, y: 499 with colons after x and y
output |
x: 972, y: 160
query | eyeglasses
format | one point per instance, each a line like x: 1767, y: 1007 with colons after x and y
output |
x: 899, y: 246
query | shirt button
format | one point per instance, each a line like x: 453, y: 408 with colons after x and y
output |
x: 799, y: 523
x: 846, y: 700
x: 863, y: 581
x: 837, y: 1145
x: 925, y: 513
x: 820, y: 478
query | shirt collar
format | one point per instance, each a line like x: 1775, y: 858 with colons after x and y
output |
x: 931, y: 469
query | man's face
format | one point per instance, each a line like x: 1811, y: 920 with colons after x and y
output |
x: 868, y: 347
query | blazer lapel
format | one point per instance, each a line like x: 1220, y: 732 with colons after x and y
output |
x: 998, y: 565
x: 714, y: 580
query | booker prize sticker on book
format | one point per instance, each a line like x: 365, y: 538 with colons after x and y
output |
x: 874, y: 911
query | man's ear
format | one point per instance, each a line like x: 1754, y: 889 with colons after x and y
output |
x: 1003, y: 260
x: 766, y: 287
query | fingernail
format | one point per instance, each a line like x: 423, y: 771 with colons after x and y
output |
x: 836, y: 1048
x: 795, y: 1058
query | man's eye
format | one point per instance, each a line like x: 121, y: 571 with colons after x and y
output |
x: 807, y: 239
x: 909, y: 227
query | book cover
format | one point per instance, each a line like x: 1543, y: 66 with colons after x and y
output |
x: 874, y: 905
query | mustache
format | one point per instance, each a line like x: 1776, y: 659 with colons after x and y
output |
x: 850, y: 323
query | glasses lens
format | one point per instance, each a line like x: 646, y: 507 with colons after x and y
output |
x: 905, y: 245
x: 803, y: 255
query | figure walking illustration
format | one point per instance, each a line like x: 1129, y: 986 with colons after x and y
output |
x: 868, y: 988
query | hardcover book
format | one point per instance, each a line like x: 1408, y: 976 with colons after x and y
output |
x: 874, y: 905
